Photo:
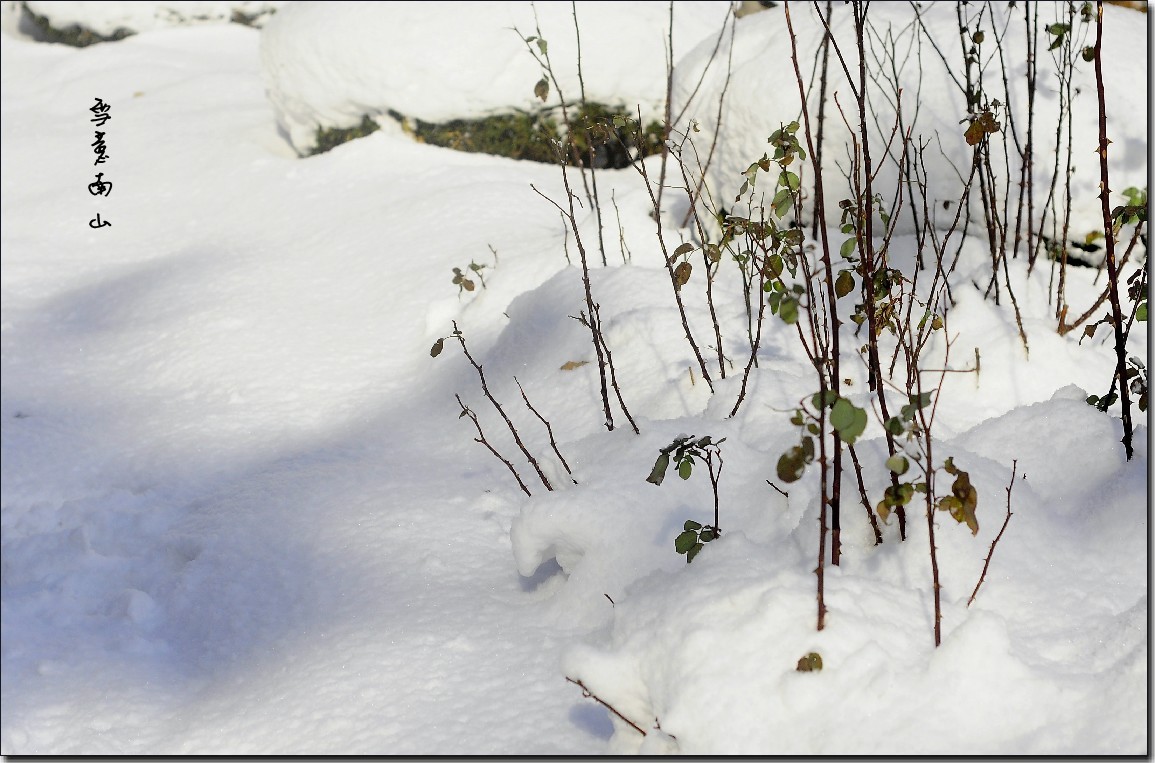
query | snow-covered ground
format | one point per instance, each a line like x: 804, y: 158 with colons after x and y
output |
x: 242, y: 515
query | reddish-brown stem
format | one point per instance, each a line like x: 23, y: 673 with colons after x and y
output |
x: 590, y: 695
x: 548, y: 429
x: 987, y: 563
x: 481, y: 439
x: 1112, y: 270
x: 489, y: 395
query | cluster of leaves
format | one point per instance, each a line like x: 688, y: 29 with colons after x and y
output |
x: 963, y: 498
x: 683, y: 451
x: 1135, y: 377
x: 1137, y: 293
x: 847, y: 419
x: 463, y: 282
x: 684, y: 268
x: 786, y: 150
x: 982, y: 124
x: 692, y: 538
x: 1131, y: 213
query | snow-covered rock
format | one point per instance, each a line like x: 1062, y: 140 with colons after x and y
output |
x: 328, y: 64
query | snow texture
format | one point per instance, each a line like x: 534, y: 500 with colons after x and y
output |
x: 241, y: 514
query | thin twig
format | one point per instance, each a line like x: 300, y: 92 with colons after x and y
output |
x: 590, y: 695
x: 548, y: 428
x: 513, y: 430
x: 987, y: 563
x: 465, y: 411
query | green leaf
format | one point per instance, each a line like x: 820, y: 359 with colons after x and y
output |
x: 1088, y: 54
x: 692, y: 525
x: 685, y: 468
x: 820, y: 401
x: 791, y: 465
x: 968, y: 500
x: 693, y: 552
x: 857, y: 427
x: 842, y: 415
x: 438, y: 346
x: 788, y: 311
x: 807, y: 450
x: 782, y: 202
x: 894, y: 426
x: 844, y: 284
x: 1141, y: 312
x: 684, y: 542
x: 897, y: 464
x: 659, y: 471
x: 773, y: 267
x: 708, y: 535
x: 810, y: 663
x: 848, y: 420
x: 848, y: 247
x: 790, y: 180
x: 541, y: 89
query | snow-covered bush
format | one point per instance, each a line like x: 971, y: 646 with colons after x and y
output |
x: 920, y: 60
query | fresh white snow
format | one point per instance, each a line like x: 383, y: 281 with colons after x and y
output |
x: 241, y: 514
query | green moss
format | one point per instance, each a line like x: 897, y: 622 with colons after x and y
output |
x: 329, y: 138
x: 529, y: 135
x: 75, y: 35
x: 516, y: 135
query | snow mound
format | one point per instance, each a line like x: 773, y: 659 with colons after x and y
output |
x: 762, y: 95
x: 109, y: 18
x: 329, y: 64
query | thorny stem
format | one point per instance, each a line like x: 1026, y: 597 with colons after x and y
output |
x: 865, y: 498
x: 927, y: 441
x: 832, y: 331
x: 1066, y: 328
x: 657, y: 215
x: 714, y: 477
x: 613, y: 372
x: 592, y: 325
x: 1112, y: 270
x: 817, y: 146
x: 987, y: 563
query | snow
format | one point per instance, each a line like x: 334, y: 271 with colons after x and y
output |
x: 240, y: 512
x: 762, y: 95
x: 460, y: 60
x: 107, y: 18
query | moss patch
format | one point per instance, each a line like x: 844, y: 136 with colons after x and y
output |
x: 329, y: 138
x: 75, y: 35
x: 529, y: 135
